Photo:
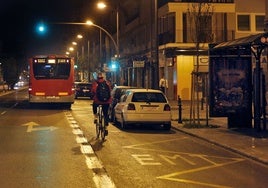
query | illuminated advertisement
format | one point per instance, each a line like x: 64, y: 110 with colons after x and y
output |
x: 230, y: 81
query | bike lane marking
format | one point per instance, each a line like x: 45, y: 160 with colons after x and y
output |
x: 100, y: 176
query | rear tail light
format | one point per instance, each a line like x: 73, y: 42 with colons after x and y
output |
x: 167, y: 107
x: 131, y: 106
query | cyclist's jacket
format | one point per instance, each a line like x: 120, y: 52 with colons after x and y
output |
x: 94, y: 90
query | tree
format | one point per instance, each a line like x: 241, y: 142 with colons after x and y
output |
x: 200, y: 29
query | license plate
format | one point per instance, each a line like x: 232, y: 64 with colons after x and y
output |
x: 149, y: 108
x: 52, y: 97
x: 85, y: 90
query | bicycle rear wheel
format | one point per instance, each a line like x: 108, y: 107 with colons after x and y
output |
x: 102, y: 126
x: 97, y: 124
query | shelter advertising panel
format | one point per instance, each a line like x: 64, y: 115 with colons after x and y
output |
x: 230, y: 84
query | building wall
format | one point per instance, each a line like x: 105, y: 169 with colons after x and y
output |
x: 266, y: 15
x: 136, y: 38
x: 185, y: 63
x: 251, y: 8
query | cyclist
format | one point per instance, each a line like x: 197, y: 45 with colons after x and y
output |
x: 97, y: 101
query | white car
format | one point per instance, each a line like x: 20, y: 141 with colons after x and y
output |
x: 143, y: 106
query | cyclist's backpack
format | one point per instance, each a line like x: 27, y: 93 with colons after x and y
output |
x: 103, y: 91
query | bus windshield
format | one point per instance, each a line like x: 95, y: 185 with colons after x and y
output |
x: 51, y: 68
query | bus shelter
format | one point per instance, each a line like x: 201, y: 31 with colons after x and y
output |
x: 237, y: 80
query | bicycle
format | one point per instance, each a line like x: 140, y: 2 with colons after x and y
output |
x: 100, y: 124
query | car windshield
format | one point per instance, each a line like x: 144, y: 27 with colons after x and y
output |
x: 148, y: 97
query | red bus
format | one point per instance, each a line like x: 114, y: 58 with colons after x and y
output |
x: 51, y: 79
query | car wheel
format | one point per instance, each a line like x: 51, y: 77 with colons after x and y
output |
x: 123, y: 123
x: 116, y: 122
x: 167, y: 126
x: 112, y: 116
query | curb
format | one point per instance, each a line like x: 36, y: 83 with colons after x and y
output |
x: 222, y: 146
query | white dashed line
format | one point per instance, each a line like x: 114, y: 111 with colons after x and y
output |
x: 100, y: 176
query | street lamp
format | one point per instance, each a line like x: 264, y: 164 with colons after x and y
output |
x: 79, y: 36
x: 102, y: 5
x: 90, y: 23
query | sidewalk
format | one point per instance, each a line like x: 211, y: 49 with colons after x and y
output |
x: 247, y: 142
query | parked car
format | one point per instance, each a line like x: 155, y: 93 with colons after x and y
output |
x: 143, y: 106
x: 116, y: 94
x: 83, y: 89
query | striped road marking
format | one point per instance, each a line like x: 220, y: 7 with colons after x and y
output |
x: 100, y: 176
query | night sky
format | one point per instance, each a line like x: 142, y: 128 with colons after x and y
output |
x: 18, y: 20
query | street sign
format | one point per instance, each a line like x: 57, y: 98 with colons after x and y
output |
x: 137, y: 64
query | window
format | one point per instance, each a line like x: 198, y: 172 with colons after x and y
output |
x: 243, y: 22
x: 259, y: 23
x: 51, y: 71
x: 148, y: 97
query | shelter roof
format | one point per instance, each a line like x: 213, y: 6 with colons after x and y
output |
x: 244, y: 41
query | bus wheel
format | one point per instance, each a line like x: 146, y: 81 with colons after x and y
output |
x: 68, y: 106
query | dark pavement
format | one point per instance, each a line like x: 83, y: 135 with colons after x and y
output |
x: 244, y: 141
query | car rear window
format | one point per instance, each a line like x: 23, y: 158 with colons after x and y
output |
x: 85, y: 85
x: 148, y: 97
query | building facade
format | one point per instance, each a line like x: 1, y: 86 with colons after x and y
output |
x: 178, y: 56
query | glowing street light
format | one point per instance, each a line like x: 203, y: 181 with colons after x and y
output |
x: 101, y: 5
x: 90, y: 23
x: 79, y: 36
x: 71, y: 49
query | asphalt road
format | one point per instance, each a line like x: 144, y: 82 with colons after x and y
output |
x: 49, y: 146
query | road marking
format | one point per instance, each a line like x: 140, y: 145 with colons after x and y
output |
x: 2, y: 113
x: 77, y: 132
x: 174, y: 157
x: 190, y: 158
x: 174, y: 176
x: 86, y: 149
x: 145, y: 159
x: 100, y: 176
x: 32, y: 126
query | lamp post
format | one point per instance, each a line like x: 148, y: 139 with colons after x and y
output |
x: 102, y: 5
x: 156, y: 55
x: 90, y: 23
